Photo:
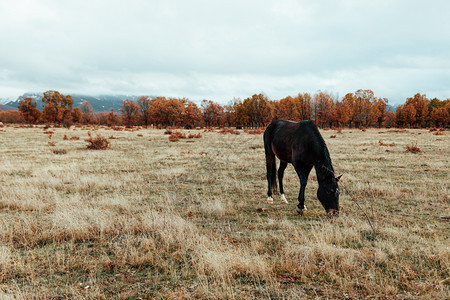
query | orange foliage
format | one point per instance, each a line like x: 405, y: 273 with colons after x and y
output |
x: 58, y: 107
x: 130, y: 112
x: 29, y: 111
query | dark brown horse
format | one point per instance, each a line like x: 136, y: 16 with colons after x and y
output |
x: 300, y: 144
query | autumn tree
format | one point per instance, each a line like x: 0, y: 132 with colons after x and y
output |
x: 130, y: 112
x: 341, y: 113
x: 167, y: 112
x: 112, y: 118
x: 212, y: 113
x: 323, y: 108
x: 440, y: 113
x: 288, y: 108
x: 419, y: 104
x: 259, y: 110
x: 240, y: 113
x: 192, y: 114
x: 305, y: 105
x: 11, y: 116
x: 409, y: 115
x: 363, y: 107
x: 27, y: 108
x: 380, y: 111
x: 390, y: 120
x: 175, y: 111
x: 87, y: 113
x: 57, y: 107
x: 143, y: 103
x: 76, y: 115
x: 229, y: 112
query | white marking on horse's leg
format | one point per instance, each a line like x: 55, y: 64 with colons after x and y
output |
x: 283, y: 199
x: 305, y: 207
x: 270, y: 200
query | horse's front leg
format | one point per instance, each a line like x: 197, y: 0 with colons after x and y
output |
x: 303, y: 176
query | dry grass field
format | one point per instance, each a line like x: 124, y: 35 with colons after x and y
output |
x: 149, y: 218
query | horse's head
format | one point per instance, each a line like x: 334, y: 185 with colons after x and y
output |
x: 328, y: 194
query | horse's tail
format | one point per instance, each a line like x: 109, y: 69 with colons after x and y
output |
x: 271, y: 166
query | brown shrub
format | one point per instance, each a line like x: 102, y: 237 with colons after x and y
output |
x: 384, y: 144
x: 440, y: 132
x: 227, y: 130
x: 168, y: 131
x: 433, y: 129
x: 65, y: 137
x: 332, y: 136
x: 176, y: 135
x: 140, y: 135
x: 174, y: 138
x: 195, y: 136
x: 339, y: 130
x: 255, y: 131
x: 74, y: 138
x: 413, y: 148
x: 60, y: 151
x: 97, y: 143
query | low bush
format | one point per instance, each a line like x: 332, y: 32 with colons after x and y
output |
x: 60, y: 151
x: 413, y: 148
x: 195, y: 136
x: 255, y: 131
x: 176, y: 136
x: 97, y: 143
x: 227, y: 130
x: 384, y: 144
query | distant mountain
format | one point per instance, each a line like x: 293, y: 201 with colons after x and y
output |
x: 102, y: 103
x: 7, y: 107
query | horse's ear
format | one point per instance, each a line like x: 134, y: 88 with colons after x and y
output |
x: 339, y: 177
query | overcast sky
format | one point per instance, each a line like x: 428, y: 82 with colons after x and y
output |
x: 220, y: 50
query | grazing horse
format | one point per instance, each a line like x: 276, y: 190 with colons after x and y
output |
x: 300, y: 144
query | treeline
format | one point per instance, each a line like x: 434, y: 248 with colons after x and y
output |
x: 358, y: 109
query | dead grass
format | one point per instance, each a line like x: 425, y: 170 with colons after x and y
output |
x: 151, y: 218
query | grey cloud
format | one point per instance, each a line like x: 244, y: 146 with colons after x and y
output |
x: 224, y: 49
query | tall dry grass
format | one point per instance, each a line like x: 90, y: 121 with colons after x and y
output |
x: 152, y: 218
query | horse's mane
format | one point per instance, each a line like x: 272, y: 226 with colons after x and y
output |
x: 324, y: 164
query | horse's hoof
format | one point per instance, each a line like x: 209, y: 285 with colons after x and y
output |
x: 269, y: 200
x: 283, y: 199
x: 301, y: 211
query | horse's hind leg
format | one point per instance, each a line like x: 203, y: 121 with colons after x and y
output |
x: 281, y: 169
x: 271, y: 165
x: 271, y: 176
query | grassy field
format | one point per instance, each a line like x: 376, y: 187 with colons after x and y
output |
x: 150, y: 218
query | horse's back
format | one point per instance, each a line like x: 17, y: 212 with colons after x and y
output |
x: 286, y: 138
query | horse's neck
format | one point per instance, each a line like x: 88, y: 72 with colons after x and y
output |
x: 324, y: 169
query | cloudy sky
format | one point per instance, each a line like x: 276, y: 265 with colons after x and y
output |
x: 220, y: 50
